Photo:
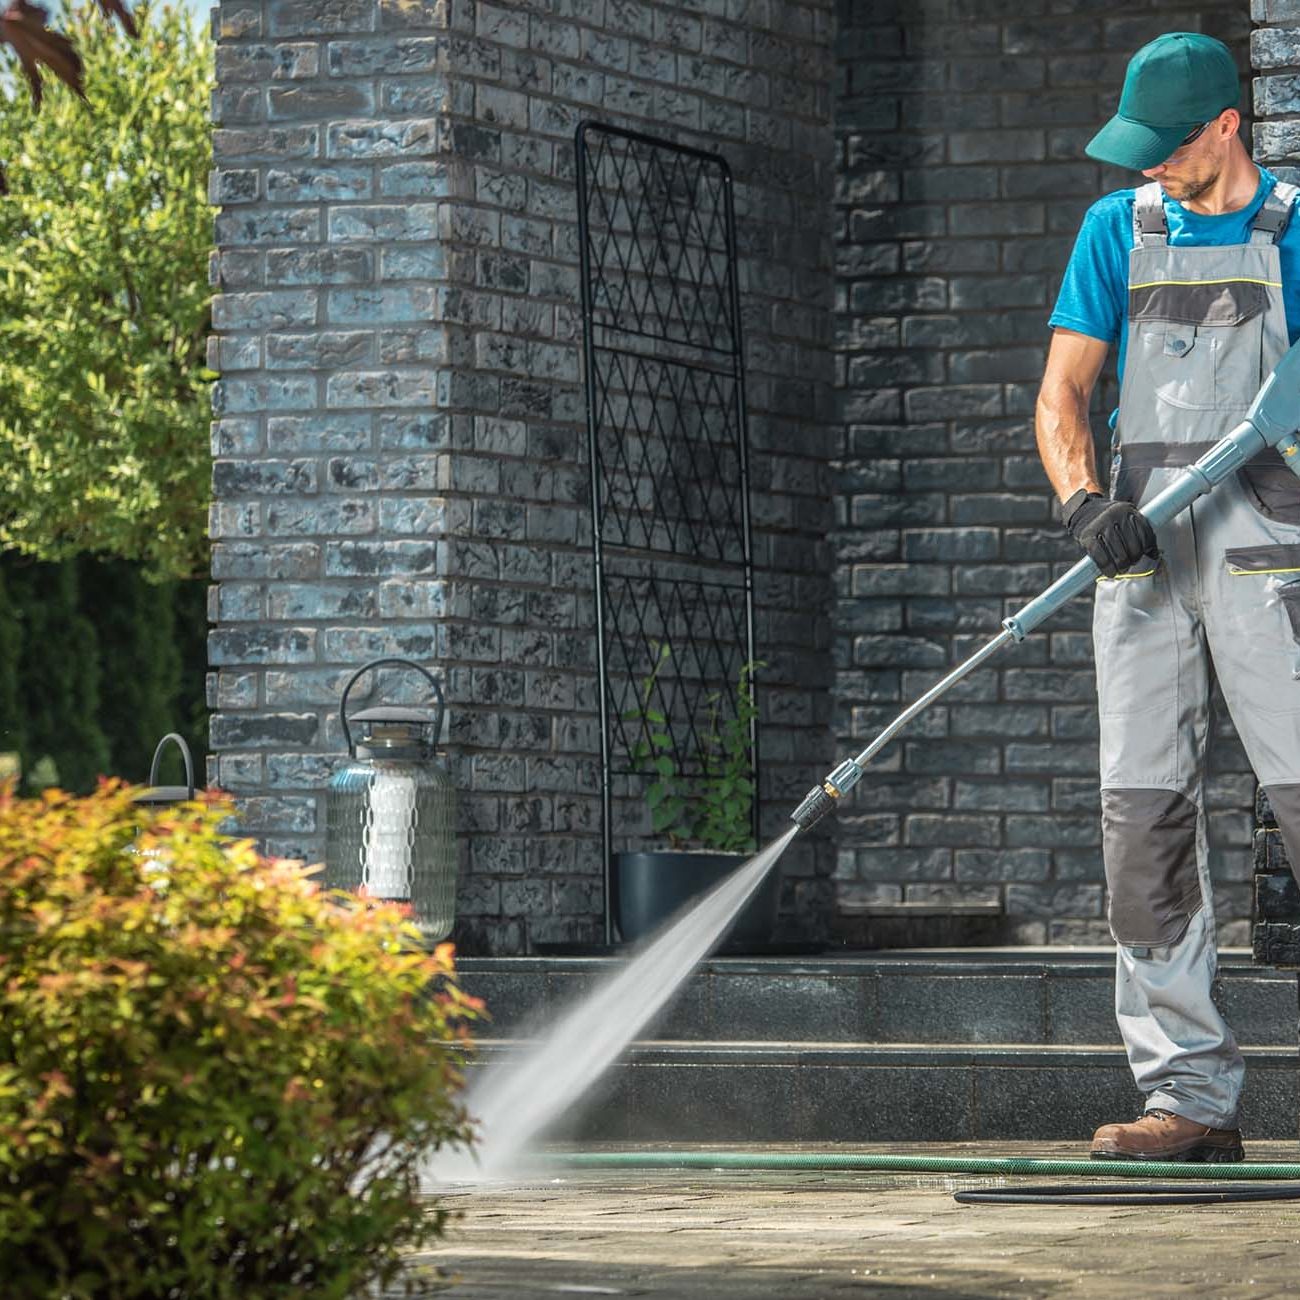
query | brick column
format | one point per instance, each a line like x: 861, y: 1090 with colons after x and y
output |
x: 330, y: 121
x: 400, y: 432
x: 1275, y: 56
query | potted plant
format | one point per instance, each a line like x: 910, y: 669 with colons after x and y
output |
x: 704, y: 819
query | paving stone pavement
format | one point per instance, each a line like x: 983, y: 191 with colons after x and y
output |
x: 737, y: 1235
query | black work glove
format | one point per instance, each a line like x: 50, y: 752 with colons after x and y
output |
x: 1115, y: 534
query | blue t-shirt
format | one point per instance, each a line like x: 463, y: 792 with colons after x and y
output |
x: 1094, y: 294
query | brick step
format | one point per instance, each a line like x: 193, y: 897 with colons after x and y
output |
x: 1046, y: 997
x: 904, y: 1092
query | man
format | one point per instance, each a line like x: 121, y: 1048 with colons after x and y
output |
x: 1197, y: 275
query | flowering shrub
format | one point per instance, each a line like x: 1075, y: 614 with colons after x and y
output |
x: 216, y: 1079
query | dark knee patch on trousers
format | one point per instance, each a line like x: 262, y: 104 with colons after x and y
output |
x: 1285, y: 802
x: 1149, y: 839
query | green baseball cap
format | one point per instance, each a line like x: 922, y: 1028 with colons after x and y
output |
x: 1174, y: 84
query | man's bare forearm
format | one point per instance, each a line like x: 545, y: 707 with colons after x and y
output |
x: 1065, y: 439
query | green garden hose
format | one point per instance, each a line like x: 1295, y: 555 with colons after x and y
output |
x: 1156, y: 1194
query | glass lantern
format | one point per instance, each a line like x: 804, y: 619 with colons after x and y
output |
x: 391, y: 810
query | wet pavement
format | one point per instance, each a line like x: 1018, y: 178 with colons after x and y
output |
x: 754, y: 1235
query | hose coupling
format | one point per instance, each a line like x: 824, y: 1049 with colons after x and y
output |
x: 844, y: 778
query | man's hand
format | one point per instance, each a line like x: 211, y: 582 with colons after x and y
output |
x: 1115, y: 534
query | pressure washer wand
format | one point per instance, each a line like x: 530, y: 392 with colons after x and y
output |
x: 1272, y: 421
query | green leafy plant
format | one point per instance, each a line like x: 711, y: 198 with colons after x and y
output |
x: 216, y: 1079
x: 667, y: 795
x: 104, y: 302
x: 711, y: 809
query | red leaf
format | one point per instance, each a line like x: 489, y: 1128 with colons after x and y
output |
x: 116, y: 9
x: 23, y: 25
x: 57, y: 1085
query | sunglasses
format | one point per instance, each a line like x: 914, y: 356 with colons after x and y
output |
x: 1192, y: 137
x: 1195, y: 135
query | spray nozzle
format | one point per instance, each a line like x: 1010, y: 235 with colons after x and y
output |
x: 816, y: 804
x: 821, y: 798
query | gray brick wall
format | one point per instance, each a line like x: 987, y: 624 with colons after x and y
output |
x: 1275, y: 56
x: 960, y: 127
x: 398, y: 441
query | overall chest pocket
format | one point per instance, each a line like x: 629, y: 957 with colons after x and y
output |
x: 1199, y: 343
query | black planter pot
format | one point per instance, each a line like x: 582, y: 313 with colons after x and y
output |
x: 649, y: 887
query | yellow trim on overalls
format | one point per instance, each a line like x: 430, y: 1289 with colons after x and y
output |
x: 1228, y: 279
x: 1120, y: 577
x: 1254, y: 573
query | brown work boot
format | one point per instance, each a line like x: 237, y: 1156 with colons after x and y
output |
x: 1162, y: 1135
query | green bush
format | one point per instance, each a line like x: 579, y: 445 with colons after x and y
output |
x: 139, y: 662
x: 216, y: 1080
x: 104, y: 301
x: 97, y: 663
x: 13, y: 728
x: 58, y: 677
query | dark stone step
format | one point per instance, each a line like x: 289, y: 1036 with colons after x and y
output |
x: 1053, y: 997
x: 1275, y: 937
x: 803, y: 1092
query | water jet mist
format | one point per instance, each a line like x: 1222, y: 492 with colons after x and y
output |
x: 517, y: 1099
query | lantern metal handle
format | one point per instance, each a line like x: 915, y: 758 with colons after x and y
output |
x: 381, y: 663
x: 185, y: 754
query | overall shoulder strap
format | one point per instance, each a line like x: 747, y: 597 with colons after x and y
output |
x: 1149, y: 226
x: 1271, y: 220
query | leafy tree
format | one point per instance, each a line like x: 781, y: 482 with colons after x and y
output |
x: 104, y: 304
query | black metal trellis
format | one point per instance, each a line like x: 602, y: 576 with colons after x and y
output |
x: 667, y: 441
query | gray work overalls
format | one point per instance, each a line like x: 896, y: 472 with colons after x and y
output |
x: 1205, y: 326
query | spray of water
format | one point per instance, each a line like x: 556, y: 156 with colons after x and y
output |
x: 518, y: 1098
